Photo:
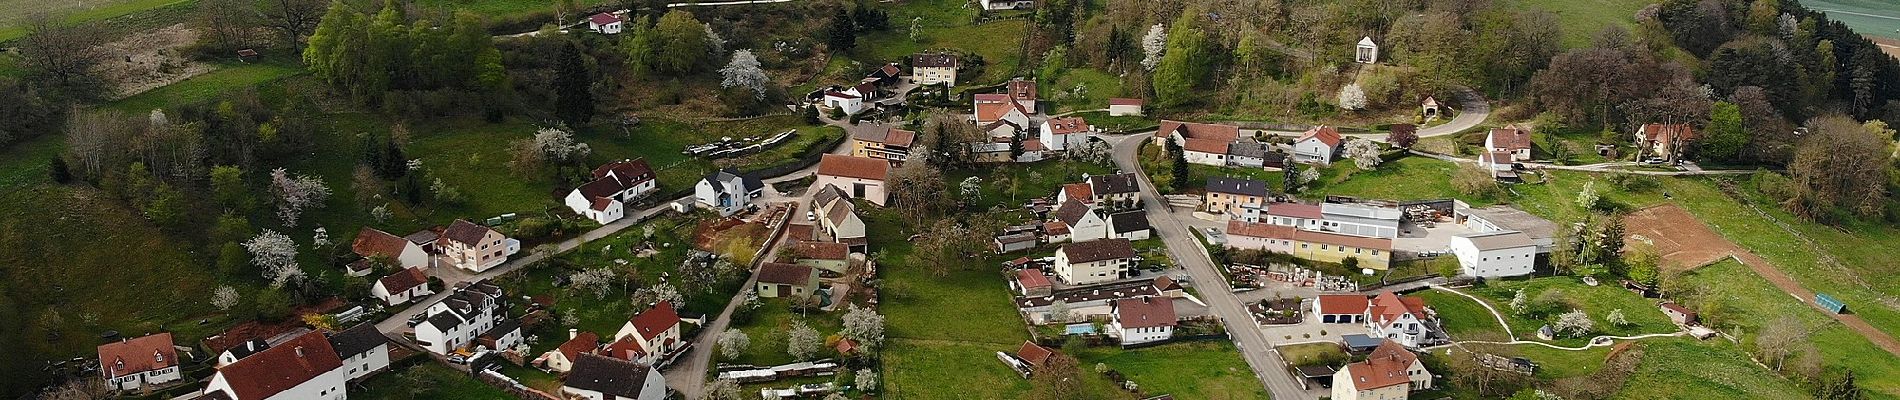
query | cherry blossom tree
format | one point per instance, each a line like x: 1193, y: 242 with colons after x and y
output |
x: 224, y: 297
x: 276, y: 254
x: 744, y: 71
x: 1152, y: 45
x: 1364, y: 153
x: 1352, y: 98
x: 599, y: 280
x: 658, y: 292
x: 1574, y: 324
x: 864, y: 325
x: 733, y: 343
x: 803, y: 342
x: 294, y: 194
x: 867, y: 380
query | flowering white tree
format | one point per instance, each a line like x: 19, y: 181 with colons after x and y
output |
x: 224, y: 297
x: 276, y: 254
x: 867, y: 380
x: 557, y: 144
x: 1364, y: 153
x: 659, y: 292
x: 1617, y: 318
x: 744, y: 71
x: 1059, y: 312
x: 1309, y: 175
x: 1520, y: 302
x: 733, y: 343
x: 157, y: 118
x: 293, y: 195
x: 722, y: 389
x: 1588, y: 197
x: 1352, y: 97
x: 1152, y: 45
x: 597, y: 280
x: 803, y: 342
x: 715, y: 44
x: 320, y: 238
x: 971, y: 187
x: 865, y: 326
x: 1574, y: 324
x: 381, y: 213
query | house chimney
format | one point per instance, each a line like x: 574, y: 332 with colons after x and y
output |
x: 572, y: 332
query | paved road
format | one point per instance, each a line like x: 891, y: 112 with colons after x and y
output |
x: 1215, y: 290
x: 1472, y: 110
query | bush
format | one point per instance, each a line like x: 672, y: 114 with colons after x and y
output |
x: 1633, y: 182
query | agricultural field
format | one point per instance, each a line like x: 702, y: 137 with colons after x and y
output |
x: 15, y: 14
x: 1868, y: 17
x: 1739, y: 300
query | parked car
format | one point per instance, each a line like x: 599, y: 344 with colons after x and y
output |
x: 811, y: 215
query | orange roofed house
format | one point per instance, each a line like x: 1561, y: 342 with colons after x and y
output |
x: 132, y: 364
x: 891, y: 144
x: 1390, y: 373
x: 1664, y: 140
x: 859, y: 177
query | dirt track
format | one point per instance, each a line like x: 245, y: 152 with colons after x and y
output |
x: 1686, y: 243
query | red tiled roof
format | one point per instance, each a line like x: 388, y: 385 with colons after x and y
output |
x: 585, y: 342
x: 635, y: 170
x: 1210, y: 146
x: 846, y: 346
x: 1325, y: 134
x: 1389, y: 307
x: 1068, y: 125
x: 372, y: 242
x: 281, y: 367
x: 1192, y: 130
x: 1495, y: 157
x: 992, y: 111
x: 1080, y: 191
x: 821, y: 250
x: 1386, y: 366
x: 854, y: 167
x: 626, y: 349
x: 1033, y: 354
x: 1259, y: 230
x: 403, y: 280
x: 1145, y: 312
x: 1020, y: 89
x: 603, y: 19
x: 1032, y: 145
x: 601, y: 203
x: 787, y: 274
x: 654, y: 321
x: 1296, y: 210
x: 1031, y: 278
x: 899, y: 137
x: 1055, y: 228
x: 1124, y: 101
x: 1510, y: 138
x: 1164, y: 283
x: 145, y: 353
x: 1679, y: 309
x: 1342, y: 304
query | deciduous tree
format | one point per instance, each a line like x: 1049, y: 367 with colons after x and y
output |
x: 744, y: 71
x: 803, y: 342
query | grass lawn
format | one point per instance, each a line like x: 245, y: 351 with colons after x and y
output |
x: 426, y: 380
x: 1298, y: 354
x: 60, y: 296
x: 1409, y: 178
x: 1025, y: 181
x: 224, y: 80
x: 1096, y: 88
x: 1191, y: 370
x: 1463, y: 318
x: 1582, y: 19
x: 768, y: 327
x: 1597, y: 301
x: 1682, y: 368
x: 1751, y: 302
x: 14, y: 13
x: 946, y: 24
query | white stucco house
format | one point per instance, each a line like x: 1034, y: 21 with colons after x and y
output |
x: 657, y: 330
x: 144, y: 362
x: 1390, y: 372
x: 615, y: 184
x: 847, y: 100
x: 1399, y: 319
x: 605, y: 23
x: 1143, y: 319
x: 1059, y: 134
x: 858, y: 177
x: 1081, y: 222
x: 402, y: 286
x: 994, y: 5
x: 362, y: 349
x: 727, y: 191
x: 1123, y: 106
x: 1095, y: 261
x: 304, y: 368
x: 596, y: 377
x: 1317, y: 145
x: 1495, y: 254
x: 372, y: 242
x: 463, y: 320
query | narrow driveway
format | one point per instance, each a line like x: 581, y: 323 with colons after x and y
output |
x: 1220, y: 298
